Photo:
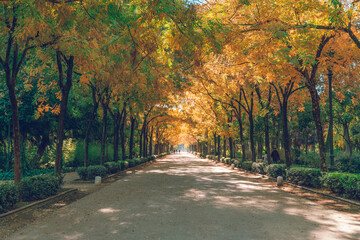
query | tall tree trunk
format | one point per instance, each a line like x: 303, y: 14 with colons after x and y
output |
x: 104, y: 135
x: 252, y: 142
x: 151, y: 142
x: 219, y: 147
x: 131, y: 140
x: 267, y: 138
x: 16, y: 130
x: 224, y: 147
x: 65, y: 91
x: 286, y: 137
x: 122, y: 132
x: 231, y: 147
x: 116, y: 120
x: 348, y: 144
x: 315, y: 100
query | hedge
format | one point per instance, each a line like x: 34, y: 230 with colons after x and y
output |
x: 258, y: 167
x: 40, y: 187
x: 9, y: 196
x: 247, y: 165
x: 113, y: 167
x: 343, y: 184
x: 275, y: 170
x: 310, y: 177
x: 91, y: 172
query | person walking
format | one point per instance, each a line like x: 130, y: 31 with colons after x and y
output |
x: 275, y: 156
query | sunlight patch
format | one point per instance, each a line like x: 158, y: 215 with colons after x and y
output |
x: 108, y: 210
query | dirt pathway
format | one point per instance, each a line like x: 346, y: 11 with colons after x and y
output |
x: 183, y: 197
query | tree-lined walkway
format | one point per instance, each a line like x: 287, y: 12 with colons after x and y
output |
x: 183, y: 197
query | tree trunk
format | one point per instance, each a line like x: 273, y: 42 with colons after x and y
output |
x: 122, y: 132
x: 16, y: 130
x: 131, y: 140
x: 116, y: 119
x: 252, y: 142
x: 151, y: 142
x: 286, y: 137
x: 219, y: 147
x: 224, y: 146
x: 315, y: 99
x: 267, y: 138
x: 65, y: 91
x: 231, y: 145
x: 348, y: 144
x: 104, y: 135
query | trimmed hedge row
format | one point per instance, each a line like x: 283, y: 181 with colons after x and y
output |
x: 33, y: 188
x: 342, y: 184
x: 91, y: 172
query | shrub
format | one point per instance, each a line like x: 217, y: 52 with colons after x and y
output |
x: 113, y: 167
x: 137, y: 161
x: 237, y: 163
x: 82, y: 172
x: 91, y: 172
x: 126, y: 164
x: 343, y: 184
x: 151, y: 158
x: 246, y: 165
x: 122, y: 164
x: 40, y: 187
x: 202, y: 155
x: 131, y: 163
x: 227, y: 160
x: 96, y: 170
x: 342, y: 162
x: 9, y: 195
x: 28, y: 173
x: 258, y: 167
x: 305, y: 176
x: 309, y: 159
x: 275, y: 170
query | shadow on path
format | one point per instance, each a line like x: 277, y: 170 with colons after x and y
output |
x: 184, y: 197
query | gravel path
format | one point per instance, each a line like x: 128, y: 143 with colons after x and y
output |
x: 183, y: 197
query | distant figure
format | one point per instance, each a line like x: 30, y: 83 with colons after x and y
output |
x: 275, y: 156
x: 265, y: 157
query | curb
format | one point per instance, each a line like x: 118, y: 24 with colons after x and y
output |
x: 306, y: 188
x: 326, y: 195
x: 38, y: 202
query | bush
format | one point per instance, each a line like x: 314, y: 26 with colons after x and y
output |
x: 131, y: 163
x: 40, y: 187
x: 237, y: 163
x: 258, y: 167
x: 227, y: 160
x: 309, y: 159
x: 9, y: 195
x: 91, y: 172
x: 122, y: 165
x: 247, y: 165
x: 137, y: 161
x: 113, y: 167
x: 343, y: 184
x: 202, y: 155
x: 310, y: 177
x: 151, y: 158
x: 126, y: 164
x: 342, y: 162
x: 275, y: 170
x: 28, y: 173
